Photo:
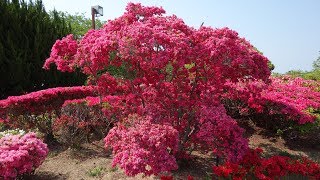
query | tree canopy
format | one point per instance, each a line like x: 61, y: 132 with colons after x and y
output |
x: 78, y: 22
x: 312, y: 75
x: 316, y: 64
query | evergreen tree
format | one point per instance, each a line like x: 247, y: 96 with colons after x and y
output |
x: 27, y: 33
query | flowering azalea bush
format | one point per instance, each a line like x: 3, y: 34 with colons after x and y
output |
x: 292, y: 97
x: 285, y: 98
x: 20, y: 153
x: 49, y: 99
x: 172, y: 76
x: 37, y: 109
x: 80, y: 120
x: 254, y: 166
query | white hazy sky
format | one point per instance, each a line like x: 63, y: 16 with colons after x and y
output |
x: 286, y: 31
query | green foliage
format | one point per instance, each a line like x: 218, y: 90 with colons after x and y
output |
x: 306, y: 128
x: 78, y: 22
x: 97, y: 171
x: 316, y: 64
x: 275, y: 74
x: 295, y: 73
x: 42, y: 123
x: 302, y: 128
x: 311, y: 75
x: 311, y: 126
x: 285, y: 153
x: 118, y: 71
x: 113, y: 169
x: 12, y: 132
x: 271, y: 66
x: 2, y: 126
x: 27, y: 35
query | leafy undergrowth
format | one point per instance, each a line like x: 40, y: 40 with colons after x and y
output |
x: 91, y: 161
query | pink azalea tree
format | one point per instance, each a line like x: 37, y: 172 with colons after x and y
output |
x: 166, y: 102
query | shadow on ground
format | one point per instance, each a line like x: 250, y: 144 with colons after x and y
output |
x: 46, y: 176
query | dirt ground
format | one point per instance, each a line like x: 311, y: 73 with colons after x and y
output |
x: 77, y: 164
x: 93, y: 162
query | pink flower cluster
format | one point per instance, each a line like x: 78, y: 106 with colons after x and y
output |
x: 290, y: 97
x: 254, y: 166
x: 20, y: 154
x: 89, y: 100
x: 143, y: 148
x: 221, y: 133
x: 62, y: 54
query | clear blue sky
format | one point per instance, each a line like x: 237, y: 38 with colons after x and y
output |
x: 286, y: 31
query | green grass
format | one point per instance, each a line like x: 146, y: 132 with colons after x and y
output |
x: 97, y: 171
